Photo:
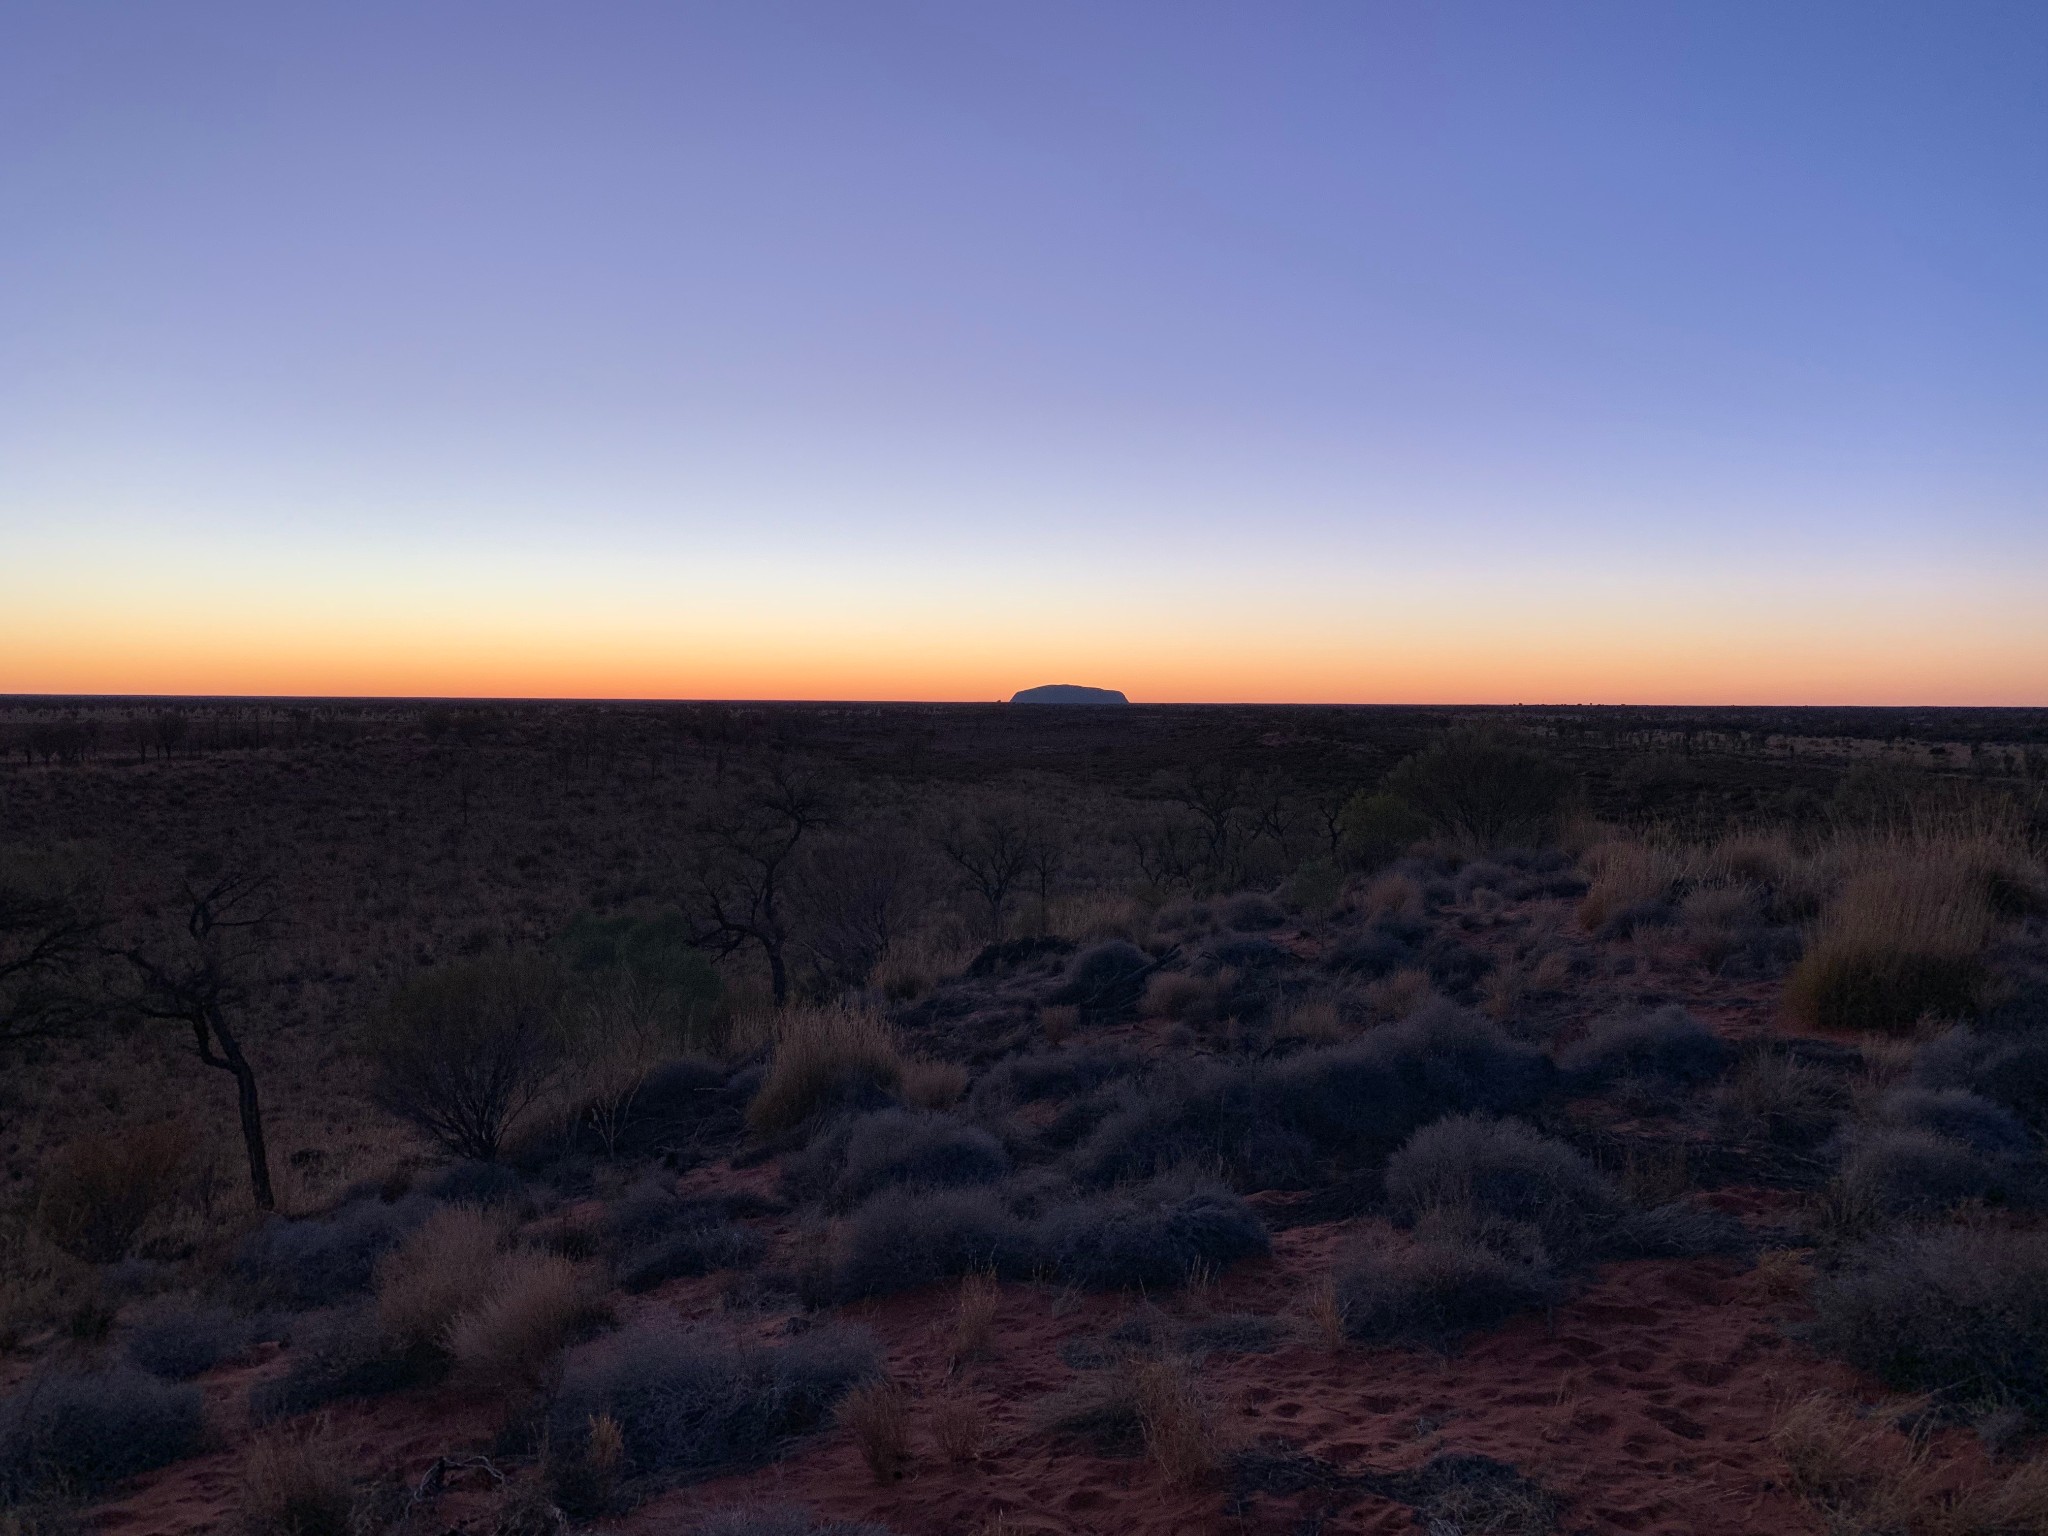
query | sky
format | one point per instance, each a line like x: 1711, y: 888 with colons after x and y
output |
x: 1692, y: 351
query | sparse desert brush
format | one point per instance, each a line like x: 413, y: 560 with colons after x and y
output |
x: 1391, y: 896
x: 296, y: 1482
x: 959, y: 1426
x: 508, y: 1339
x: 79, y: 1432
x: 974, y: 1317
x: 689, y: 1399
x: 1176, y: 995
x: 1959, y: 1311
x: 1393, y: 998
x: 821, y: 1055
x: 1861, y: 1471
x: 1180, y: 1436
x: 1627, y: 874
x: 1903, y: 935
x: 447, y: 1263
x: 933, y: 1084
x: 1313, y: 1021
x: 463, y: 1051
x: 101, y: 1189
x: 1433, y: 1291
x: 878, y: 1417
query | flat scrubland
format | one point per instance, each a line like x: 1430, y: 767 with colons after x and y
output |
x: 516, y: 1118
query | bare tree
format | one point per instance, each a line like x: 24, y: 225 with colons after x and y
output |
x: 740, y: 890
x: 855, y: 897
x: 992, y: 849
x: 196, y: 979
x: 1216, y: 795
x: 50, y: 923
x: 464, y: 1051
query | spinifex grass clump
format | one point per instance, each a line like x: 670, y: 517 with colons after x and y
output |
x: 823, y: 1057
x: 1903, y: 938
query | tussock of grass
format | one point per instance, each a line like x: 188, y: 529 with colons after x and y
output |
x: 1903, y: 935
x: 296, y: 1483
x: 822, y: 1056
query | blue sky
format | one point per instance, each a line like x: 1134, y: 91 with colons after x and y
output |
x: 1292, y: 351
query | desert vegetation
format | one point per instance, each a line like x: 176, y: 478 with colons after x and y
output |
x: 834, y: 1120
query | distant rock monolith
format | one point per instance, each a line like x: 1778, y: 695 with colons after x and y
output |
x: 1068, y: 693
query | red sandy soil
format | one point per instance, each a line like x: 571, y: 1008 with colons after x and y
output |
x: 1644, y: 1403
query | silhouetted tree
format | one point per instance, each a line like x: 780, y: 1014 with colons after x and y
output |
x: 195, y: 978
x: 740, y: 890
x: 992, y: 849
x: 463, y: 1051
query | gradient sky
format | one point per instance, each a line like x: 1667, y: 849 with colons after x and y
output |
x: 1644, y: 351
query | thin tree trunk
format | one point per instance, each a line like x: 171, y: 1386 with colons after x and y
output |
x: 250, y: 1105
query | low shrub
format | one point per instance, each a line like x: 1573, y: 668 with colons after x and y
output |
x: 1105, y: 982
x: 79, y: 1432
x: 1433, y: 1291
x: 100, y: 1190
x: 180, y: 1337
x: 1366, y: 1097
x: 1961, y: 1312
x: 1669, y: 1046
x: 463, y: 1051
x: 926, y: 1150
x: 2009, y: 1070
x: 1065, y: 1073
x: 472, y: 1183
x: 1900, y: 1171
x: 320, y: 1260
x: 1156, y: 1238
x: 1189, y: 1112
x: 690, y: 1401
x: 1484, y: 788
x: 1496, y: 1176
x: 654, y: 1235
x: 508, y: 1338
x: 824, y: 1058
x: 334, y: 1356
x: 903, y: 1239
x: 1253, y: 912
x: 297, y: 1483
x: 1959, y: 1115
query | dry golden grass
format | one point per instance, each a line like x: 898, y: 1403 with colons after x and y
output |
x: 914, y: 964
x: 1174, y: 995
x: 878, y: 1416
x: 1863, y: 1474
x: 1179, y: 1437
x: 934, y: 1084
x: 959, y: 1427
x: 296, y: 1483
x: 100, y: 1190
x: 442, y: 1269
x: 1626, y: 874
x: 974, y: 1317
x: 1393, y: 998
x: 510, y: 1338
x: 1325, y: 1314
x: 1390, y: 896
x: 1058, y: 1021
x: 1313, y: 1021
x: 817, y: 1051
x: 1903, y: 935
